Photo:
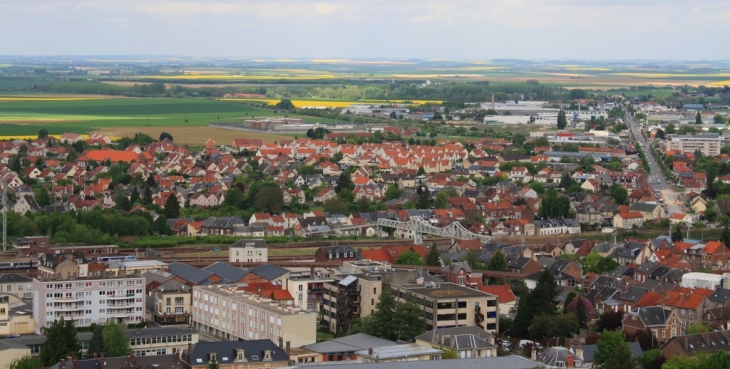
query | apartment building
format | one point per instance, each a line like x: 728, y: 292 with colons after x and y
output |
x: 17, y: 285
x: 307, y: 288
x: 249, y: 251
x: 353, y: 296
x: 171, y: 303
x: 447, y: 305
x: 16, y: 316
x: 88, y: 300
x: 230, y: 313
x: 709, y: 144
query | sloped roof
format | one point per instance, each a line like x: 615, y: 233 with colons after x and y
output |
x: 227, y: 272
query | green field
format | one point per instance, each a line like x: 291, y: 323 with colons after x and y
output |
x: 83, y: 116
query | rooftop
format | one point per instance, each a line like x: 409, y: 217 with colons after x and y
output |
x: 443, y: 291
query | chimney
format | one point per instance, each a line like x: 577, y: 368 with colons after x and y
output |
x: 102, y: 362
x: 281, y: 342
x: 94, y: 356
x: 177, y: 357
x: 579, y: 352
x: 131, y: 358
x: 567, y: 343
x: 569, y: 361
x: 686, y: 344
x: 190, y: 348
x: 533, y: 353
x: 370, y: 351
x: 76, y: 364
x: 288, y: 349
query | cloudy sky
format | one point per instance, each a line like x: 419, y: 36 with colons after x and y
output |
x: 480, y: 29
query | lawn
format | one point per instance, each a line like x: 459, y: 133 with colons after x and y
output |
x: 27, y: 116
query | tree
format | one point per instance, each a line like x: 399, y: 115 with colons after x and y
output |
x: 383, y: 318
x: 698, y: 118
x: 307, y: 170
x: 566, y: 181
x: 421, y: 171
x: 518, y: 139
x: 581, y: 313
x: 15, y: 165
x: 43, y: 134
x: 270, y: 199
x: 608, y: 343
x: 213, y: 364
x: 525, y: 310
x: 344, y: 182
x: 160, y: 225
x: 43, y: 197
x: 334, y: 206
x: 121, y: 202
x: 441, y: 201
x: 619, y: 194
x: 698, y: 327
x: 562, y: 121
x: 433, y: 258
x: 115, y: 342
x: 409, y: 319
x: 60, y: 342
x: 595, y: 263
x: 652, y: 359
x: 26, y: 362
x: 670, y: 129
x: 568, y: 299
x: 392, y: 193
x: 725, y: 236
x: 235, y: 198
x: 610, y: 321
x: 96, y: 344
x: 424, y: 198
x: 620, y: 359
x: 498, y: 262
x: 147, y: 197
x: 134, y: 197
x: 537, y: 187
x: 285, y: 104
x: 346, y: 196
x: 543, y: 296
x: 677, y: 235
x: 409, y: 257
x: 710, y: 212
x: 172, y: 207
x: 165, y: 135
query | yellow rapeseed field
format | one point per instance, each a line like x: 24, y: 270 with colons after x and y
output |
x: 330, y: 103
x: 5, y: 98
x: 229, y: 77
x: 670, y: 75
x: 33, y: 137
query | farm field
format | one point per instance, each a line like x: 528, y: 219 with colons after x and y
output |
x: 193, y: 136
x: 330, y: 103
x: 25, y: 116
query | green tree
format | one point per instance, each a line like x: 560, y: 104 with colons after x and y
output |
x: 698, y: 118
x: 525, y: 312
x: 160, y: 225
x: 134, y: 197
x: 566, y: 181
x: 270, y: 199
x: 652, y: 359
x: 581, y: 314
x: 121, y: 202
x: 115, y: 342
x: 344, y: 182
x: 409, y: 257
x: 235, y: 197
x: 421, y: 171
x: 433, y: 258
x: 619, y: 194
x: 26, y: 362
x: 562, y: 120
x: 15, y: 165
x: 147, y: 197
x: 172, y: 207
x: 670, y: 129
x: 424, y: 198
x: 392, y: 193
x: 698, y: 327
x: 562, y: 325
x: 96, y: 344
x: 568, y: 299
x: 43, y: 134
x: 498, y: 262
x: 725, y: 236
x: 284, y: 104
x: 43, y: 197
x: 346, y: 196
x: 60, y: 342
x: 607, y: 343
x: 537, y: 187
x: 543, y: 296
x: 620, y: 359
x: 719, y: 360
x: 334, y: 206
x: 384, y: 316
x: 165, y: 135
x: 441, y: 201
x: 710, y: 212
x: 518, y: 139
x: 677, y: 235
x: 409, y: 318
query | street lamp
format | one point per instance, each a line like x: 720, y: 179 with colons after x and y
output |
x: 400, y: 330
x: 548, y: 342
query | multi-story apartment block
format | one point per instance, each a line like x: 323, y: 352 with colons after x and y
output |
x: 17, y: 285
x: 230, y: 313
x: 249, y: 251
x: 448, y: 305
x: 307, y: 289
x: 15, y: 316
x: 353, y: 296
x: 708, y: 144
x: 171, y: 303
x: 88, y: 300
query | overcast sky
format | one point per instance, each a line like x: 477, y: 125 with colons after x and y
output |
x: 479, y: 29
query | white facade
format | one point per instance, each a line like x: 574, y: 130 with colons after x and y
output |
x: 708, y: 144
x: 702, y: 280
x: 87, y: 301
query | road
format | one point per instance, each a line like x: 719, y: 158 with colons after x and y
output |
x: 656, y: 176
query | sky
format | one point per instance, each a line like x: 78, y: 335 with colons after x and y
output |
x: 392, y: 29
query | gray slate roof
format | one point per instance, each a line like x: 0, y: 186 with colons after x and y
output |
x: 503, y: 362
x: 355, y: 342
x: 269, y: 272
x: 189, y: 273
x: 199, y: 355
x: 228, y: 272
x: 590, y: 350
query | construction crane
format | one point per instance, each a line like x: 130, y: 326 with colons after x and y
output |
x: 419, y: 226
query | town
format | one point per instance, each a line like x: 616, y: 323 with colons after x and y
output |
x: 599, y: 236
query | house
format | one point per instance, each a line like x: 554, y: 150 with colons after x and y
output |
x: 467, y: 341
x: 591, y: 185
x: 506, y: 297
x: 249, y: 251
x: 677, y: 218
x: 26, y: 203
x: 324, y: 195
x: 220, y: 225
x: 691, y: 344
x: 663, y: 322
x: 247, y: 354
x: 585, y: 353
x: 648, y: 210
x: 334, y: 252
x: 628, y: 220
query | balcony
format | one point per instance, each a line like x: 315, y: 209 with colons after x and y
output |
x: 69, y: 308
x: 119, y: 296
x: 81, y: 298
